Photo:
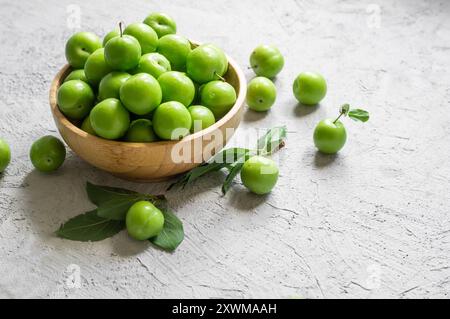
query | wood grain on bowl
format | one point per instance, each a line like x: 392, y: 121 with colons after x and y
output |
x: 151, y: 161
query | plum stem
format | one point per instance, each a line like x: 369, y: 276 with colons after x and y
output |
x: 121, y: 28
x: 342, y: 113
x: 220, y: 77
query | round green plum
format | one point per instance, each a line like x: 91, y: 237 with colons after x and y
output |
x: 5, y: 155
x: 76, y: 75
x: 267, y: 61
x: 87, y: 126
x: 112, y: 34
x: 261, y: 94
x: 110, y: 119
x: 80, y: 46
x: 259, y: 174
x: 75, y: 99
x: 122, y: 53
x: 176, y: 49
x: 110, y: 85
x: 154, y: 64
x: 147, y: 37
x: 202, y: 117
x: 206, y: 63
x: 141, y: 131
x: 172, y: 121
x: 309, y: 88
x: 177, y: 86
x: 218, y: 96
x: 47, y: 154
x: 141, y: 93
x: 162, y: 23
x: 144, y: 220
x: 329, y: 137
x: 96, y: 67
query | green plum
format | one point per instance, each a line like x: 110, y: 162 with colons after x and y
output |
x: 5, y: 155
x: 47, y: 154
x: 80, y: 46
x: 141, y: 93
x: 112, y: 34
x: 177, y: 86
x: 96, y: 67
x: 330, y: 136
x: 309, y: 88
x: 259, y: 174
x: 110, y: 85
x: 141, y: 131
x: 176, y: 49
x: 206, y: 63
x: 161, y: 23
x: 202, y: 117
x: 110, y: 119
x: 154, y: 64
x: 122, y: 53
x: 147, y: 37
x: 75, y: 99
x: 172, y: 121
x: 76, y: 75
x: 87, y: 126
x: 267, y: 61
x: 261, y: 94
x: 218, y: 96
x: 144, y: 220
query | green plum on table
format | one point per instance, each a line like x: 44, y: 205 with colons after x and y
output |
x: 218, y: 96
x: 330, y: 135
x: 176, y: 49
x: 146, y: 36
x: 76, y: 75
x: 141, y: 131
x: 141, y: 93
x: 112, y: 34
x: 87, y: 126
x: 261, y: 94
x: 202, y: 117
x: 80, y: 46
x: 206, y: 63
x: 110, y: 119
x: 267, y: 61
x: 75, y: 99
x: 172, y: 121
x: 177, y: 86
x: 110, y: 85
x: 162, y: 23
x: 96, y: 67
x: 122, y: 53
x: 5, y: 155
x: 154, y: 64
x: 144, y: 220
x: 47, y: 154
x: 309, y: 88
x: 259, y: 174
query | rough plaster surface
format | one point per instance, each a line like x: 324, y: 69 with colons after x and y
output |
x: 370, y: 222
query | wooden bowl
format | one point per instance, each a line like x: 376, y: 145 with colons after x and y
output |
x: 157, y: 160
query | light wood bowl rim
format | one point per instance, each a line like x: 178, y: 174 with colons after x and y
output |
x: 63, y: 120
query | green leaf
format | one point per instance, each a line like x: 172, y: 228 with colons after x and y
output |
x: 117, y: 208
x: 230, y: 177
x: 100, y: 194
x: 359, y: 115
x: 345, y: 108
x: 89, y: 227
x: 272, y: 140
x: 172, y: 233
x: 223, y: 159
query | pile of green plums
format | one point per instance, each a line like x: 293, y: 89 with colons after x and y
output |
x: 144, y: 83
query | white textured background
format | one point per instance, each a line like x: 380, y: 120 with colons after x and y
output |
x: 370, y: 222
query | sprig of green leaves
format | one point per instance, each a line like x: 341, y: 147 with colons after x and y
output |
x: 232, y: 159
x: 355, y: 114
x: 108, y: 219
